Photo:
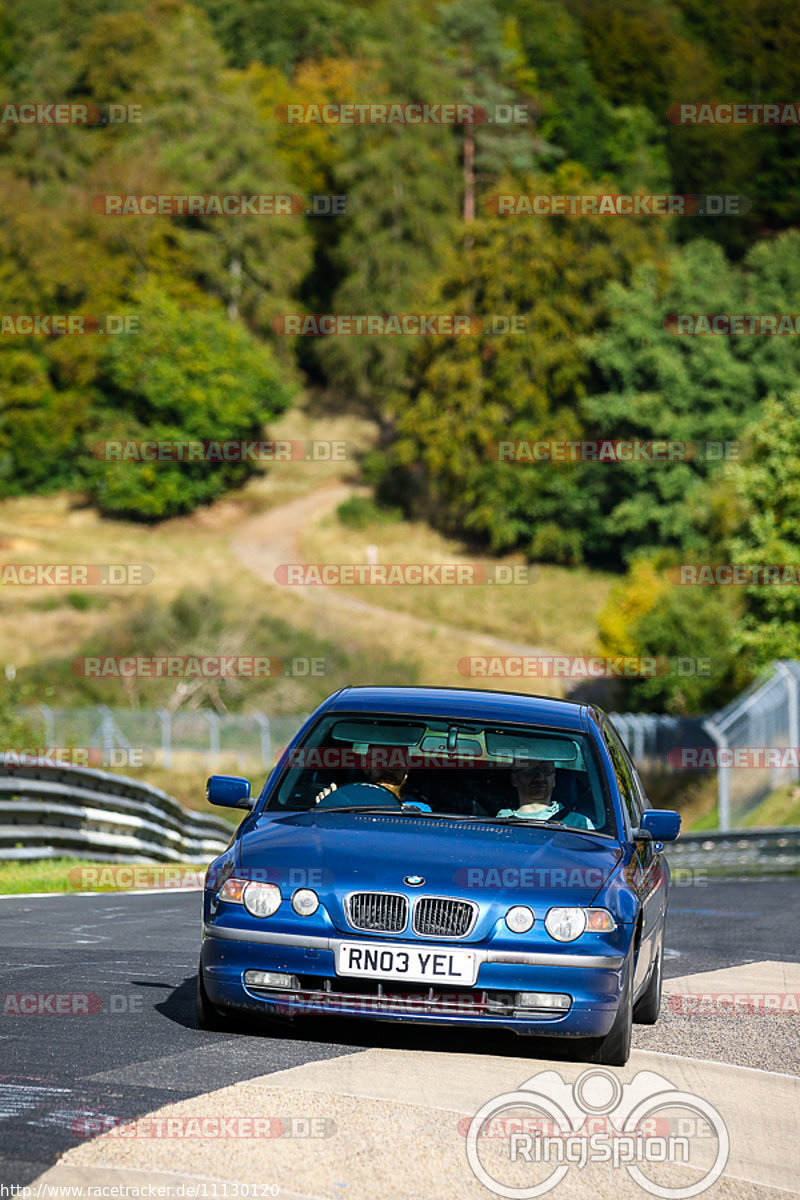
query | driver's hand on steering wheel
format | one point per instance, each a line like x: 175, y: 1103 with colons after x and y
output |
x: 325, y: 792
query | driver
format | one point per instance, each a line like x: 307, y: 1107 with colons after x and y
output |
x: 393, y: 779
x: 534, y: 781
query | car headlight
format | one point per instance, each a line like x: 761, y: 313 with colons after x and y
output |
x: 519, y: 919
x: 261, y: 899
x: 567, y: 924
x: 305, y: 902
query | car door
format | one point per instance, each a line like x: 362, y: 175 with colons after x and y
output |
x: 646, y: 872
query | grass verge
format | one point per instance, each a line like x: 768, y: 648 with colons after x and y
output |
x: 65, y: 875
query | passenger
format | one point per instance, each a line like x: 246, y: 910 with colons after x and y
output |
x: 534, y: 781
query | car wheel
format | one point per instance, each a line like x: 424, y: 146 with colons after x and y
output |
x: 648, y: 1006
x: 208, y: 1017
x: 614, y: 1049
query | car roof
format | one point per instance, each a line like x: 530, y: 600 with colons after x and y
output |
x: 465, y: 703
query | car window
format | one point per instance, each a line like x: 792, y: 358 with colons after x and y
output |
x: 625, y: 773
x: 448, y: 768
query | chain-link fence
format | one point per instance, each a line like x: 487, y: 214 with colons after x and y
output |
x: 753, y: 743
x: 138, y: 736
x: 757, y: 741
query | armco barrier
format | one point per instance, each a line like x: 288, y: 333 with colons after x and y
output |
x: 738, y: 852
x: 51, y: 811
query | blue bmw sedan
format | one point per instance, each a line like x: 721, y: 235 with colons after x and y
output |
x: 447, y: 856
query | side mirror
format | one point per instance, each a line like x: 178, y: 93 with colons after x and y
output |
x: 658, y: 825
x: 229, y: 791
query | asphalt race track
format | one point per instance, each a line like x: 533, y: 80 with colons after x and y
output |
x: 359, y: 1109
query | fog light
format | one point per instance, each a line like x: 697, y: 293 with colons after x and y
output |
x: 272, y: 979
x: 543, y: 1000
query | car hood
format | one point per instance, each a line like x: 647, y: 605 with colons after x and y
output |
x: 337, y: 853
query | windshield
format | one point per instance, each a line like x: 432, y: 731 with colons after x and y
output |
x: 446, y: 768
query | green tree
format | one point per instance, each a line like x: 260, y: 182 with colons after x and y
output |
x: 650, y: 383
x: 472, y: 391
x: 203, y: 378
x: 767, y: 484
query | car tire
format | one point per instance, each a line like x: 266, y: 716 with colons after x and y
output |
x: 209, y: 1017
x: 614, y: 1049
x: 648, y: 1006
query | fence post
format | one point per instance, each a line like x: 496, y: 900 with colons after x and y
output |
x: 794, y: 714
x: 213, y: 737
x: 266, y: 738
x: 49, y: 724
x: 165, y: 717
x: 723, y: 776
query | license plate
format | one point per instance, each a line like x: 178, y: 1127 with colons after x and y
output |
x: 418, y: 964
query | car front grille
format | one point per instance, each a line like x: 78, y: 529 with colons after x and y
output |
x: 378, y: 912
x: 438, y: 916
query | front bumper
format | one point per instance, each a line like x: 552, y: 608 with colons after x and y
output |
x: 592, y: 981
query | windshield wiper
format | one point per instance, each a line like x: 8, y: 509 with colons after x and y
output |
x: 533, y: 821
x: 354, y: 808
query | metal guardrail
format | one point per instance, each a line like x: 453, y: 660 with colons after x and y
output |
x: 738, y: 852
x: 51, y: 811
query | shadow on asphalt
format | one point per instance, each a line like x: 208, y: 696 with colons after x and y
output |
x: 371, y: 1033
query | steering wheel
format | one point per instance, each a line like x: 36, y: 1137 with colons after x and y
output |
x: 368, y: 794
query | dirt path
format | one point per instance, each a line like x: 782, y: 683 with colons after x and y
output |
x: 272, y: 538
